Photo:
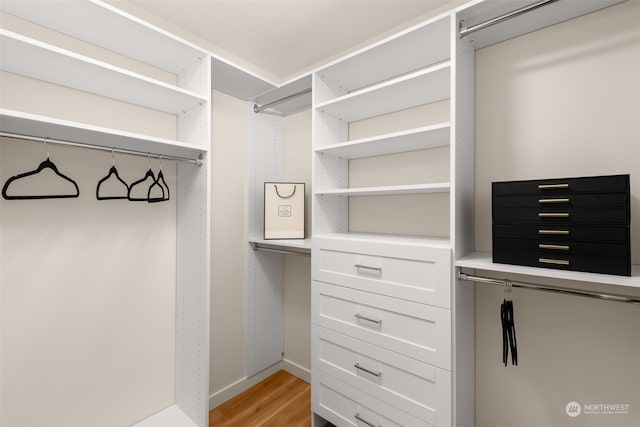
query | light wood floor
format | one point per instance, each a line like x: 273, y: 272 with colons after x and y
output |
x: 281, y: 400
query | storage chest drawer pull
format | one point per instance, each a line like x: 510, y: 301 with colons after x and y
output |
x: 553, y: 214
x: 366, y: 267
x: 553, y: 261
x: 562, y: 232
x: 362, y: 420
x: 552, y: 186
x: 559, y: 247
x: 359, y: 317
x: 545, y: 201
x: 357, y: 366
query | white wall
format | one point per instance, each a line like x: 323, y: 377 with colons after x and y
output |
x: 559, y: 102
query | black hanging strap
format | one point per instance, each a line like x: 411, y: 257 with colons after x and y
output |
x: 508, y: 327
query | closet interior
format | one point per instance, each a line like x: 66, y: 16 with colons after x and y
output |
x: 390, y: 203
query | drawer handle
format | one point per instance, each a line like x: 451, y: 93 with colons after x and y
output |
x: 359, y: 317
x: 553, y: 214
x: 357, y: 366
x: 562, y: 232
x: 550, y: 201
x: 559, y: 247
x: 362, y: 420
x: 366, y: 267
x: 552, y: 186
x: 553, y: 261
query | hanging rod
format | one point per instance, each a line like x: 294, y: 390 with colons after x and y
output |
x: 257, y: 109
x: 548, y: 288
x: 465, y: 31
x: 197, y: 162
x: 257, y: 247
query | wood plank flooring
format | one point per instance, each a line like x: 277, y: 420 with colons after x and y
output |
x: 281, y: 400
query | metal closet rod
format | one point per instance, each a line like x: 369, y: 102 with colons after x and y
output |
x: 197, y: 162
x: 549, y: 288
x: 257, y: 109
x: 257, y: 247
x: 465, y: 31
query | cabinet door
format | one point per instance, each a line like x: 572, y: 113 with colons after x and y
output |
x: 415, y: 273
x: 415, y: 387
x: 420, y: 331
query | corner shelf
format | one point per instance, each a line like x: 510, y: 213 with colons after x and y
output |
x: 32, y: 58
x: 483, y: 261
x: 410, y: 90
x: 409, y: 140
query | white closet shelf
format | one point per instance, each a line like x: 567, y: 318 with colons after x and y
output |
x: 391, y: 190
x: 483, y: 261
x: 32, y: 58
x: 398, y: 142
x: 439, y: 242
x: 103, y: 25
x: 428, y: 43
x: 417, y: 88
x: 31, y: 124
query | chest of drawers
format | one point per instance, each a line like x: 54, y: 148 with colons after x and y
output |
x: 580, y: 224
x: 381, y: 331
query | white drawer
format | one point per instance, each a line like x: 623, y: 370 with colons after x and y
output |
x: 344, y: 405
x: 420, y: 389
x: 419, y: 331
x: 416, y: 273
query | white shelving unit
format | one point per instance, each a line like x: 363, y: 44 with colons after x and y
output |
x: 367, y: 84
x: 413, y: 68
x: 189, y: 100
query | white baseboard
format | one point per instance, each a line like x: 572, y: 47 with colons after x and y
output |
x: 232, y: 390
x: 296, y: 370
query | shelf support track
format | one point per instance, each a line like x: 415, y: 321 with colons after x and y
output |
x: 550, y: 288
x: 257, y: 109
x: 198, y: 162
x: 465, y: 31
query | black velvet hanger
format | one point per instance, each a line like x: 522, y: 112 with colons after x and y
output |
x: 148, y: 175
x: 47, y: 164
x: 160, y: 182
x: 113, y: 172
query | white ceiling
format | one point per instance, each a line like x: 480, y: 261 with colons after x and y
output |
x: 280, y: 39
